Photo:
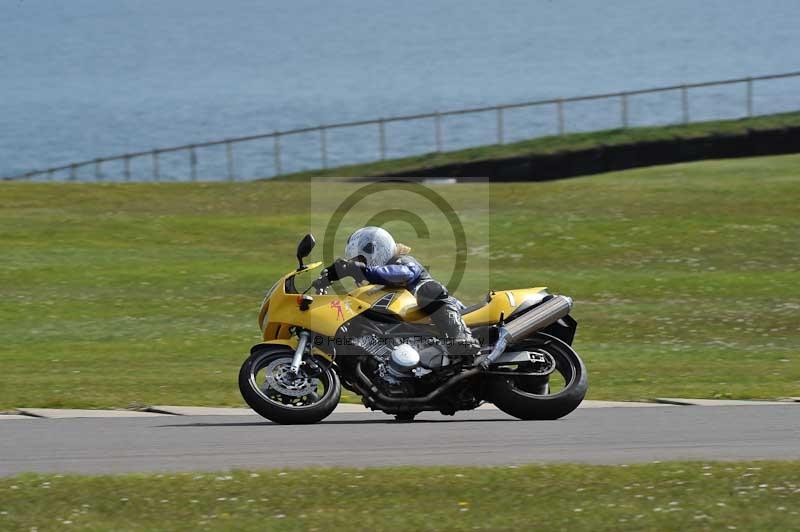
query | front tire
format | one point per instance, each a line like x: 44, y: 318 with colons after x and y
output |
x: 530, y: 398
x: 285, y: 402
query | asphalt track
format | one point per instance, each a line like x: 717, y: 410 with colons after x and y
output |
x: 485, y: 437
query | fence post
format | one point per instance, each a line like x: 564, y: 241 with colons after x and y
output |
x: 229, y: 157
x: 749, y: 97
x: 624, y: 109
x: 277, y: 149
x: 382, y: 138
x: 500, y: 125
x: 156, y: 166
x: 323, y: 147
x: 685, y: 103
x: 73, y: 172
x: 560, y: 111
x: 97, y: 171
x: 192, y: 164
x: 127, y: 167
x: 437, y: 123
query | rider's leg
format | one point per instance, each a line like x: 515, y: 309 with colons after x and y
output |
x: 444, y: 310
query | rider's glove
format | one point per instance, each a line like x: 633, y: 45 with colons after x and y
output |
x: 355, y: 269
x: 336, y: 270
x: 346, y: 268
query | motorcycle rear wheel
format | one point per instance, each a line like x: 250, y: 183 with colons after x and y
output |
x: 530, y: 398
x: 324, y: 390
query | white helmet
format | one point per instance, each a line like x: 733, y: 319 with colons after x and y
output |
x: 374, y: 244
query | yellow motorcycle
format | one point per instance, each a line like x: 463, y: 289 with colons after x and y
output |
x: 377, y: 343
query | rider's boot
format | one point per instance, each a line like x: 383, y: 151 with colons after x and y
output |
x: 458, y: 337
x: 444, y: 310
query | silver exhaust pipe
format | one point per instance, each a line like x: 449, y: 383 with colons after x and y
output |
x: 540, y: 317
x: 534, y: 320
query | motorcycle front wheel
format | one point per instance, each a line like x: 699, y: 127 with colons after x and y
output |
x: 533, y: 397
x: 269, y: 388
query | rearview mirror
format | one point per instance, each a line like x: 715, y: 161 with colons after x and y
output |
x: 304, y: 249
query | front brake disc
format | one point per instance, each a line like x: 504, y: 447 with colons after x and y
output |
x: 279, y: 378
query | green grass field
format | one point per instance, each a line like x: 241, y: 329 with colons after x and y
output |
x: 552, y: 144
x: 685, y: 279
x: 670, y: 496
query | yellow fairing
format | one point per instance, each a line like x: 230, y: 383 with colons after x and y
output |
x: 281, y: 310
x: 324, y: 316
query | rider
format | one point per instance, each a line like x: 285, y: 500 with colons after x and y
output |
x: 371, y: 254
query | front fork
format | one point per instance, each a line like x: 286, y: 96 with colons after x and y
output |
x: 297, y: 359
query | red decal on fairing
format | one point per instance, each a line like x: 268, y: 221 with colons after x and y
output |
x: 337, y: 304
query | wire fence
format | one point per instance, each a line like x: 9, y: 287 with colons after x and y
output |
x: 443, y: 132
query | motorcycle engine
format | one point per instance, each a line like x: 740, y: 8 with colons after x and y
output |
x: 404, y: 358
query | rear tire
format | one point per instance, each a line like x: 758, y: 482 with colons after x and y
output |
x: 286, y: 414
x: 532, y: 400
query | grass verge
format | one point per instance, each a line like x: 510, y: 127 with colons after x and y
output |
x: 666, y: 496
x: 551, y: 144
x: 684, y: 277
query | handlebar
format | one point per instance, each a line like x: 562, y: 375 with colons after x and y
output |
x: 322, y: 282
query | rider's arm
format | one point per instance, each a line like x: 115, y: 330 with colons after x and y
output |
x: 393, y: 274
